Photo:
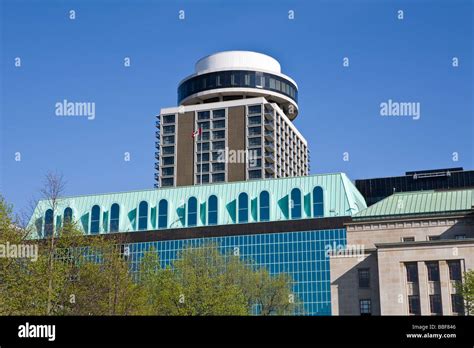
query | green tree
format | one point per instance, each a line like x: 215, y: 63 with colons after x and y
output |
x: 194, y: 285
x: 466, y: 290
x: 75, y: 275
x: 202, y: 281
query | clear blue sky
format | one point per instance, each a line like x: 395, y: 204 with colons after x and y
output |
x: 82, y: 60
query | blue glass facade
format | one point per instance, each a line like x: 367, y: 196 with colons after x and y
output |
x: 300, y: 254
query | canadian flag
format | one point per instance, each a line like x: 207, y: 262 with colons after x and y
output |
x: 197, y: 132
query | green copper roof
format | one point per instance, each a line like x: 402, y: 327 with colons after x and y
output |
x: 340, y: 198
x: 420, y: 202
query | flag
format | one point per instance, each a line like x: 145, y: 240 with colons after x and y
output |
x: 197, y: 132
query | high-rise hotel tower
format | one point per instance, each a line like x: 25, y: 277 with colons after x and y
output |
x: 233, y: 122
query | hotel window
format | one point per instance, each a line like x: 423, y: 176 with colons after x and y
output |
x: 255, y: 109
x: 67, y: 215
x: 255, y: 174
x: 218, y: 145
x: 217, y: 177
x: 204, y: 147
x: 204, y: 125
x: 167, y: 182
x: 168, y: 119
x: 167, y: 171
x: 460, y: 236
x: 365, y: 307
x: 295, y: 203
x: 408, y: 239
x: 168, y: 161
x: 432, y: 269
x: 364, y: 278
x: 218, y: 114
x: 457, y: 304
x: 114, y: 217
x: 95, y: 219
x: 192, y: 212
x: 212, y: 211
x: 168, y: 140
x: 168, y: 129
x: 247, y: 79
x: 143, y: 215
x: 254, y: 120
x: 216, y: 167
x: 455, y: 270
x: 216, y: 135
x: 255, y: 141
x: 48, y: 222
x: 414, y: 305
x: 204, y: 136
x: 218, y: 124
x: 168, y: 150
x: 433, y: 237
x: 203, y: 115
x: 264, y: 206
x: 163, y: 214
x: 255, y: 131
x: 318, y: 202
x: 412, y: 272
x: 435, y: 304
x: 243, y: 205
x: 204, y: 168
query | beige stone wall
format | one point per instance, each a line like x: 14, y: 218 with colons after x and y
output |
x: 389, y: 292
x: 392, y: 275
x: 345, y: 291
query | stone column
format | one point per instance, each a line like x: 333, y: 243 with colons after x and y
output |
x: 445, y: 287
x: 423, y: 286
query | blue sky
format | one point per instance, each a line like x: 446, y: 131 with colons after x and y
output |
x: 405, y: 60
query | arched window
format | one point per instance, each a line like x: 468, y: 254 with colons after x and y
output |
x: 295, y: 203
x: 318, y: 202
x: 212, y: 210
x: 48, y: 222
x: 143, y: 216
x: 264, y: 206
x: 243, y: 207
x: 95, y: 219
x: 192, y: 212
x: 67, y: 215
x: 114, y: 217
x: 163, y: 214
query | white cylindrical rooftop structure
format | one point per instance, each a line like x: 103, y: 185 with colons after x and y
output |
x: 232, y: 75
x: 237, y: 60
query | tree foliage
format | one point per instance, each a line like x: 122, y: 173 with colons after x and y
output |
x: 466, y: 290
x: 76, y: 274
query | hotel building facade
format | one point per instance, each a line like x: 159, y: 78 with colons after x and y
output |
x: 233, y: 122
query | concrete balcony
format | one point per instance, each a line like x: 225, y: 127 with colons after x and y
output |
x: 269, y: 157
x: 270, y: 168
x: 269, y: 135
x: 269, y: 146
x: 269, y: 115
x: 269, y: 125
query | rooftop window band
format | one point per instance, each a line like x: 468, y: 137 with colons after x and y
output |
x: 237, y: 79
